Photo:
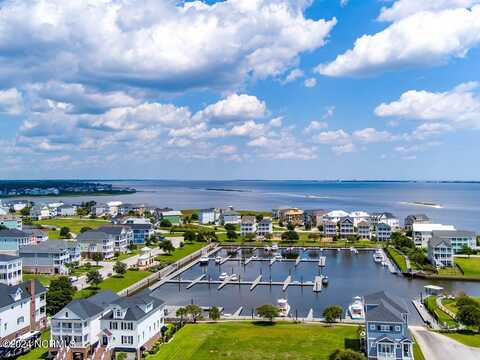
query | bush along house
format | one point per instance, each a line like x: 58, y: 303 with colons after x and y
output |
x: 386, y: 325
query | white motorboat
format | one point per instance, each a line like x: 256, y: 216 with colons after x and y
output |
x: 377, y: 257
x: 204, y: 260
x: 338, y: 249
x: 384, y: 263
x: 353, y: 250
x: 222, y: 276
x: 218, y: 260
x: 283, y: 307
x: 356, y: 309
x: 234, y: 277
x: 325, y: 280
x: 274, y: 247
x: 278, y: 256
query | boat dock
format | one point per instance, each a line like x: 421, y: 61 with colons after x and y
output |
x: 238, y: 312
x: 272, y: 261
x: 224, y: 282
x: 255, y: 282
x: 195, y: 281
x: 298, y: 261
x: 309, y: 315
x: 224, y: 260
x: 317, y: 284
x: 322, y: 261
x: 248, y: 260
x: 287, y: 282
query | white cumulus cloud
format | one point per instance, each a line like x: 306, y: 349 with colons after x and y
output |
x: 11, y: 101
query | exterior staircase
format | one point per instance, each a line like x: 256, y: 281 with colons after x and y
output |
x: 62, y: 354
x: 101, y: 353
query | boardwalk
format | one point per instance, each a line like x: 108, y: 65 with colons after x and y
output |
x: 255, y: 282
x: 287, y: 282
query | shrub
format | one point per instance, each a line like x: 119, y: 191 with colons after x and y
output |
x: 332, y: 313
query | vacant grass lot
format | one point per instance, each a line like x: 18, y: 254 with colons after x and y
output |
x: 398, y: 258
x: 253, y: 341
x: 469, y: 266
x: 114, y: 283
x: 466, y: 337
x: 44, y: 279
x: 73, y: 223
x: 179, y: 253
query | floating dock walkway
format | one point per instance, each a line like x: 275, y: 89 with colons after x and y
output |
x: 255, y: 282
x: 317, y: 284
x: 322, y: 261
x: 195, y: 281
x: 224, y: 260
x: 287, y: 282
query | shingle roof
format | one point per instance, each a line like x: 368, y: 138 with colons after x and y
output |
x: 248, y: 219
x: 436, y: 241
x: 382, y: 306
x: 112, y: 229
x: 5, y: 258
x: 453, y: 233
x: 49, y: 246
x: 14, y: 233
x: 139, y: 226
x: 94, y: 305
x: 132, y: 304
x: 6, y: 292
x: 92, y: 236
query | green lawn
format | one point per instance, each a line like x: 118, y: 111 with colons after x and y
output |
x: 115, y: 283
x: 73, y: 223
x: 417, y: 352
x: 398, y: 258
x: 179, y: 253
x: 240, y: 341
x: 466, y: 337
x: 469, y: 266
x: 83, y: 270
x: 37, y: 353
x: 44, y: 279
x: 442, y: 317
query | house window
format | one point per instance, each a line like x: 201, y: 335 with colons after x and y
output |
x: 20, y: 320
x: 398, y: 328
x: 372, y: 327
x: 406, y: 350
x: 384, y: 328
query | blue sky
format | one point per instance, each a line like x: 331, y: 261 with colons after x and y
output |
x: 240, y: 89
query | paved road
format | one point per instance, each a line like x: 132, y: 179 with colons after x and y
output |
x: 439, y: 347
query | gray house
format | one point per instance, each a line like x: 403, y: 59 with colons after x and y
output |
x: 122, y: 236
x: 50, y: 257
x: 386, y: 325
x: 440, y: 252
x: 94, y: 241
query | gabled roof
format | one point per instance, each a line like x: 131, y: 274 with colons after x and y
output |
x: 346, y: 219
x: 436, y: 241
x: 381, y: 306
x: 453, y: 233
x: 7, y: 258
x: 13, y: 233
x: 132, y: 305
x: 140, y: 226
x: 248, y: 219
x: 115, y: 230
x: 92, y: 306
x: 92, y: 236
x: 49, y: 246
x: 6, y: 292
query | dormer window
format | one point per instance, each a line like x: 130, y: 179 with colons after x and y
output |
x: 149, y: 307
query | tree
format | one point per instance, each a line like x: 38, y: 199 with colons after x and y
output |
x: 332, y: 313
x: 469, y: 315
x: 59, y: 294
x: 464, y: 300
x: 121, y: 356
x: 120, y: 268
x: 229, y: 227
x: 65, y: 232
x: 259, y: 217
x: 267, y: 311
x: 181, y: 312
x: 200, y: 237
x: 189, y: 236
x: 347, y: 354
x: 231, y: 235
x: 290, y: 226
x: 194, y: 216
x: 466, y: 250
x: 85, y: 228
x: 268, y: 236
x: 132, y: 247
x: 3, y: 227
x: 290, y: 236
x: 97, y: 257
x: 194, y: 311
x: 165, y: 223
x: 211, y: 236
x: 25, y: 211
x: 214, y: 313
x: 166, y: 246
x: 94, y: 278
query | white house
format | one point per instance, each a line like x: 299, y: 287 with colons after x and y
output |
x: 79, y: 322
x: 329, y: 228
x: 440, y: 252
x: 122, y: 236
x: 364, y: 230
x: 94, y: 241
x: 66, y: 210
x: 383, y: 232
x: 208, y: 216
x: 359, y: 216
x: 386, y: 218
x: 458, y: 239
x: 22, y: 309
x: 230, y: 217
x: 334, y: 216
x: 40, y: 212
x: 10, y: 269
x: 264, y: 227
x: 422, y: 232
x: 133, y: 324
x: 248, y: 225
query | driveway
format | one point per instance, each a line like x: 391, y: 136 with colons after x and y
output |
x: 439, y: 347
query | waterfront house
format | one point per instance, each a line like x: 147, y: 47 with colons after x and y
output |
x: 229, y: 217
x: 386, y: 328
x: 11, y: 240
x: 125, y: 209
x: 347, y: 227
x: 39, y: 212
x: 10, y: 270
x: 422, y: 233
x: 329, y: 228
x: 133, y: 324
x: 94, y: 241
x: 66, y: 210
x: 22, y: 309
x: 440, y: 252
x: 383, y: 232
x: 80, y: 321
x: 37, y: 235
x: 313, y: 218
x: 141, y: 232
x: 11, y: 222
x: 291, y: 216
x: 459, y: 239
x: 264, y: 227
x: 364, y: 230
x: 122, y: 235
x: 146, y: 258
x: 50, y: 257
x: 248, y: 225
x: 359, y: 216
x: 416, y: 219
x: 99, y: 209
x: 386, y: 218
x: 208, y: 216
x: 174, y: 216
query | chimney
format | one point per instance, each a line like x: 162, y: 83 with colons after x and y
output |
x: 31, y: 289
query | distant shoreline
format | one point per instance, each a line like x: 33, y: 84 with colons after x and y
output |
x: 421, y: 203
x: 75, y: 194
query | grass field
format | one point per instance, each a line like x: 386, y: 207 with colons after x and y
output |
x: 73, y: 223
x: 398, y: 258
x: 417, y: 352
x: 115, y: 283
x: 467, y: 337
x: 469, y: 266
x: 44, y: 279
x: 179, y: 253
x: 38, y: 353
x: 240, y: 341
x: 442, y: 317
